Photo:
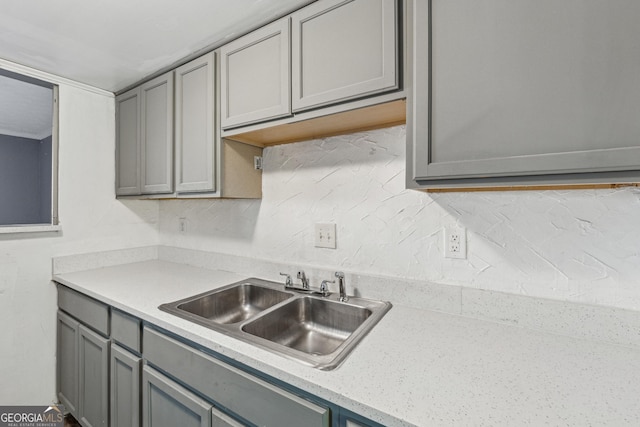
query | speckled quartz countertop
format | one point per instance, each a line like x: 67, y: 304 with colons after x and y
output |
x: 416, y: 367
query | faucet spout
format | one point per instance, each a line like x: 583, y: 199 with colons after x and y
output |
x: 304, y: 279
x: 341, y: 286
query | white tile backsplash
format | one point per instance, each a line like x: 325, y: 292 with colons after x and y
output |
x: 578, y: 245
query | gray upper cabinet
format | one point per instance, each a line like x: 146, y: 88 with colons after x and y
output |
x: 343, y: 50
x: 195, y: 130
x: 156, y: 135
x: 255, y: 76
x: 128, y: 143
x: 502, y: 95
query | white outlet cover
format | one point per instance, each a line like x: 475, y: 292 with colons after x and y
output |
x: 455, y: 242
x: 325, y: 236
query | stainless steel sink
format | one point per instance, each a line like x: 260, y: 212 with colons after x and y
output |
x: 319, y: 331
x: 235, y: 304
x: 310, y: 325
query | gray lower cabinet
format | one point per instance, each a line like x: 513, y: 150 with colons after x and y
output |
x: 250, y: 398
x: 83, y: 357
x: 167, y: 404
x: 67, y: 361
x: 343, y: 49
x: 124, y: 400
x: 93, y: 378
x: 496, y: 102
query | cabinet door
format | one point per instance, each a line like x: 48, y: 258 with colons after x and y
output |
x: 255, y: 76
x: 343, y: 49
x: 93, y: 378
x: 128, y: 143
x: 195, y: 135
x: 486, y: 111
x: 219, y: 419
x: 156, y: 135
x: 167, y: 404
x: 125, y: 388
x: 67, y: 362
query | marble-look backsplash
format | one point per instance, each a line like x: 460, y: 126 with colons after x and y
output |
x: 579, y: 245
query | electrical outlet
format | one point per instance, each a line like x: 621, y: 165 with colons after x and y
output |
x: 455, y: 242
x: 325, y: 236
x: 182, y: 225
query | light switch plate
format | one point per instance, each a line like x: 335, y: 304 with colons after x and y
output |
x: 325, y: 236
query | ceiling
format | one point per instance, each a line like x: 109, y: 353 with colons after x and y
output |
x: 114, y: 44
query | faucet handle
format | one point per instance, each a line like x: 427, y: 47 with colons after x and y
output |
x: 288, y: 282
x: 324, y: 287
x: 339, y: 274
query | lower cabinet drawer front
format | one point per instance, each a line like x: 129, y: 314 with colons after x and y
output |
x: 89, y: 311
x: 126, y: 330
x: 249, y: 397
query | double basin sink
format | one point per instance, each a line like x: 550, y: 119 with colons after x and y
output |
x: 316, y: 330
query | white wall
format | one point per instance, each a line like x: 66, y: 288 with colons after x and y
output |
x: 91, y: 220
x: 568, y: 245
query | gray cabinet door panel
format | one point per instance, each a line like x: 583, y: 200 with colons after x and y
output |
x: 89, y: 311
x: 167, y: 404
x: 67, y: 362
x: 565, y: 109
x: 219, y: 419
x: 251, y: 398
x: 156, y: 135
x: 124, y: 388
x: 128, y: 143
x: 343, y: 49
x: 255, y: 72
x: 93, y: 376
x: 195, y: 134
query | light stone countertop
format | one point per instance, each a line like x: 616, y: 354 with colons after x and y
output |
x: 416, y: 367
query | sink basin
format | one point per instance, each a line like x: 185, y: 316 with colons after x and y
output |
x: 235, y: 304
x: 228, y: 305
x: 310, y: 325
x: 317, y: 330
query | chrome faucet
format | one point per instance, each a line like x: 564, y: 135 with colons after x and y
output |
x: 303, y: 278
x: 343, y: 293
x: 304, y: 285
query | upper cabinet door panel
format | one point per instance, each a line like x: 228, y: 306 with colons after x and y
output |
x: 195, y: 118
x: 343, y: 50
x: 502, y: 91
x: 255, y: 76
x: 157, y: 135
x: 128, y: 143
